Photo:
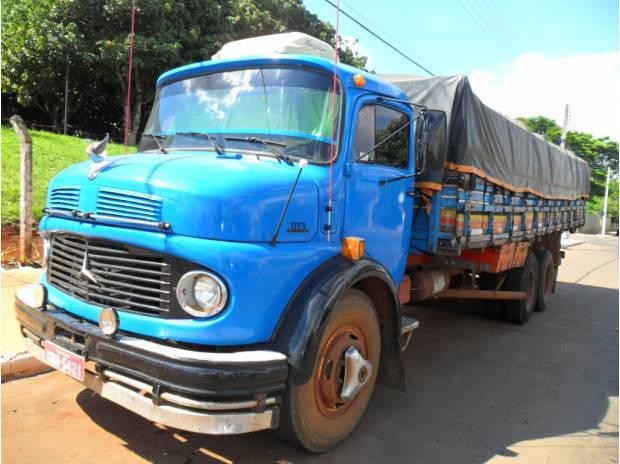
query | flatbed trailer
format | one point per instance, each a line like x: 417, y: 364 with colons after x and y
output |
x: 491, y: 194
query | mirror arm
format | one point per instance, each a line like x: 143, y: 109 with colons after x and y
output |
x: 394, y: 179
x: 404, y: 102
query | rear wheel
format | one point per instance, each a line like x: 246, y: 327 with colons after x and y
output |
x: 523, y: 279
x: 323, y: 412
x: 546, y: 279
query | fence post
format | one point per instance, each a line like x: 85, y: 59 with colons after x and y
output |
x: 25, y: 189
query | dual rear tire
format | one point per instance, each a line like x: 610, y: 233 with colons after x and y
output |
x: 547, y: 276
x: 536, y: 278
x: 523, y: 279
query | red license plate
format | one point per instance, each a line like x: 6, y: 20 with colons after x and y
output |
x: 64, y: 360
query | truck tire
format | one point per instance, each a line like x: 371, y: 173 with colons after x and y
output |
x: 314, y: 415
x: 546, y: 279
x: 523, y: 279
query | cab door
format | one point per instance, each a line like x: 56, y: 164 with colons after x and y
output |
x: 379, y: 213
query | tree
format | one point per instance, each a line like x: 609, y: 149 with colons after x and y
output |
x: 261, y: 17
x: 598, y: 152
x: 36, y: 44
x: 168, y: 34
x: 544, y: 126
x: 38, y: 36
x: 596, y: 203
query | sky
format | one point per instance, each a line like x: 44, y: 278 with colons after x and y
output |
x: 523, y: 58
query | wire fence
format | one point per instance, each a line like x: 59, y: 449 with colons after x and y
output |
x: 116, y: 134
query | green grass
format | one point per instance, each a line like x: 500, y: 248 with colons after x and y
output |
x: 51, y: 154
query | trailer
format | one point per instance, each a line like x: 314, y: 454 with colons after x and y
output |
x: 246, y: 269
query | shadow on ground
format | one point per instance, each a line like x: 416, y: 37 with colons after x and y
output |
x: 475, y: 387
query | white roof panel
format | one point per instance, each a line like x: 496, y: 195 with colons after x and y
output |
x: 287, y: 44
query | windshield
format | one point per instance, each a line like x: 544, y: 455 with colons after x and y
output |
x: 289, y: 106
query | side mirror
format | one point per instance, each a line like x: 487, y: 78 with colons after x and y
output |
x: 431, y: 135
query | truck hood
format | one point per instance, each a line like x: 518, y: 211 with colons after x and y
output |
x: 200, y: 194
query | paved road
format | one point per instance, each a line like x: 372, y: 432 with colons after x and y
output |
x: 478, y: 390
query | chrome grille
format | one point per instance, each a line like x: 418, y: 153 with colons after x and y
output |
x: 128, y: 205
x: 65, y: 198
x: 123, y: 277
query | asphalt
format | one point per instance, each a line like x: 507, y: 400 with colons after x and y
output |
x: 478, y: 391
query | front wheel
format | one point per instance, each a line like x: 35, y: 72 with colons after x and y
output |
x: 322, y: 413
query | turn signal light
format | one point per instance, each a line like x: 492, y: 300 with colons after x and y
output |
x: 353, y: 248
x: 359, y: 80
x: 108, y: 321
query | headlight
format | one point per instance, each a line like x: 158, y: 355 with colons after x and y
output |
x: 202, y: 294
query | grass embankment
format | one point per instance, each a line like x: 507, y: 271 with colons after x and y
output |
x: 51, y: 154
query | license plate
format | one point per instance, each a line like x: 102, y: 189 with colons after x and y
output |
x: 64, y: 360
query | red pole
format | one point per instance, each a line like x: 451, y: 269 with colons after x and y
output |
x: 128, y: 106
x: 332, y: 153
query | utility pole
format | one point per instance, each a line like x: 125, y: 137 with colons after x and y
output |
x: 66, y: 95
x: 565, y: 125
x: 605, y: 202
x: 129, y: 73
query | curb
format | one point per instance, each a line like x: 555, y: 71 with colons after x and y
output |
x: 572, y: 244
x: 18, y: 365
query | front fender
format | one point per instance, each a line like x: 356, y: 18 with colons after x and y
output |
x: 299, y: 330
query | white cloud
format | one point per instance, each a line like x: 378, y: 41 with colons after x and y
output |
x: 536, y: 85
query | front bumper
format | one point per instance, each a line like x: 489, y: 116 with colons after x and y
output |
x: 197, y: 391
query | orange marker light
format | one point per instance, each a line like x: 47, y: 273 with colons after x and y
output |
x: 359, y: 80
x: 353, y: 248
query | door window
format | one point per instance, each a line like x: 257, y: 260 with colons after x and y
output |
x: 375, y: 123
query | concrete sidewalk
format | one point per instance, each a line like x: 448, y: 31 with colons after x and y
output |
x: 16, y: 362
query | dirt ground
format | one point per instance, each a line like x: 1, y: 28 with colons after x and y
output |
x: 478, y: 391
x: 10, y: 246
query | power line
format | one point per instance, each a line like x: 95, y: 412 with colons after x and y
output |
x: 377, y: 27
x: 507, y: 25
x: 484, y: 29
x: 499, y: 28
x: 381, y: 38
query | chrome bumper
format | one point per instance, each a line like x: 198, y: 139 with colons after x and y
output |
x: 170, y: 408
x: 194, y: 416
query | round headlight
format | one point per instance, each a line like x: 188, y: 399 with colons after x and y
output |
x: 201, y: 294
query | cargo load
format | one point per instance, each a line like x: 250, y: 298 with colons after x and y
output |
x: 484, y: 142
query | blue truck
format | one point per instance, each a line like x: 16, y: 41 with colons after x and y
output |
x: 246, y: 269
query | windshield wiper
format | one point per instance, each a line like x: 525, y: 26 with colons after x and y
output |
x: 206, y: 136
x: 157, y: 138
x: 268, y: 144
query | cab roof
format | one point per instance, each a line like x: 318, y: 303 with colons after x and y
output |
x: 344, y: 72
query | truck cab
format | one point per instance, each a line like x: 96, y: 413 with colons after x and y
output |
x: 246, y: 261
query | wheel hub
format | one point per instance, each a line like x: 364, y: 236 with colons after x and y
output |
x: 356, y: 373
x: 342, y: 370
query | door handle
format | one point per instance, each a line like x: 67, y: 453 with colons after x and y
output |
x: 411, y: 193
